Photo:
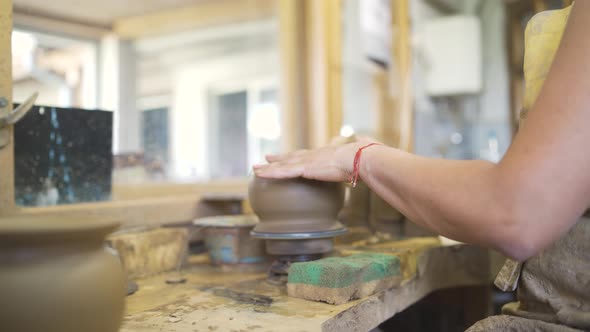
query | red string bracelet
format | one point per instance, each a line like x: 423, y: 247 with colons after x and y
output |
x: 356, y: 165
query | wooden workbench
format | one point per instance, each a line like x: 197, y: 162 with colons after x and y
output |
x: 216, y: 299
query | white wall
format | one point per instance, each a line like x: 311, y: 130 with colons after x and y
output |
x: 49, y: 94
x: 481, y: 113
x: 118, y: 92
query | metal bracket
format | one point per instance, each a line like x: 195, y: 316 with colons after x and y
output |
x: 9, y: 118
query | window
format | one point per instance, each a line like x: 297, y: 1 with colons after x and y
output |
x: 212, y: 81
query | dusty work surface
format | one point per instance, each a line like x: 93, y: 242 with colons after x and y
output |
x: 215, y: 299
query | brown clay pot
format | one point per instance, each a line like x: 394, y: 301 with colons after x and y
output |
x: 295, y: 205
x: 55, y: 275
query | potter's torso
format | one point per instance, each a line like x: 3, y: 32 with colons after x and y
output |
x: 554, y: 286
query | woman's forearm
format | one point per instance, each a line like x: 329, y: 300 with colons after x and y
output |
x: 464, y: 200
x: 510, y: 206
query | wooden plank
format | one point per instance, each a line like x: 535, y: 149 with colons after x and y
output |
x: 6, y: 154
x: 438, y: 268
x: 140, y: 213
x: 229, y: 298
x: 201, y: 14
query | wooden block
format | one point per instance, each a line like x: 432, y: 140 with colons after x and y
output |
x: 408, y: 251
x: 337, y: 280
x: 149, y: 252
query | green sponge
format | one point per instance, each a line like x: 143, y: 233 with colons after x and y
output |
x: 337, y: 280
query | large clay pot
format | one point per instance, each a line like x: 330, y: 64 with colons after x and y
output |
x: 56, y: 276
x: 296, y: 205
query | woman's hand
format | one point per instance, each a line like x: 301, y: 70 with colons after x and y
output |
x: 333, y: 162
x: 330, y: 163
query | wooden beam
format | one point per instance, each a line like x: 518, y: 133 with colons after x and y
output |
x: 208, y: 13
x: 333, y: 27
x: 132, y: 214
x: 149, y: 205
x: 140, y: 213
x: 311, y: 69
x: 48, y: 24
x: 387, y: 122
x: 402, y: 58
x: 324, y: 69
x: 6, y: 153
x: 294, y: 97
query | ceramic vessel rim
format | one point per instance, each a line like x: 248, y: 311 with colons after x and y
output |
x: 22, y: 225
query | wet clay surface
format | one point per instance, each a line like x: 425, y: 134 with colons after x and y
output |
x: 295, y: 205
x: 216, y: 299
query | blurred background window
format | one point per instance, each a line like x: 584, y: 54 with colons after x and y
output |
x: 211, y: 81
x: 191, y: 101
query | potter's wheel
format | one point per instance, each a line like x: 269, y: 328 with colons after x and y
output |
x: 298, y: 219
x: 278, y: 272
x: 299, y: 243
x: 292, y: 247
